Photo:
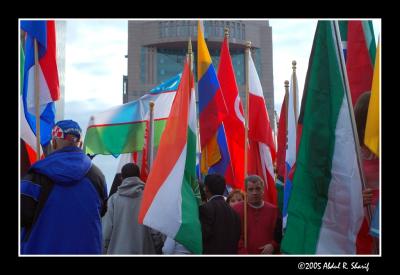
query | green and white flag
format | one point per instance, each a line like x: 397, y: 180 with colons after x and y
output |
x: 170, y: 201
x: 325, y: 209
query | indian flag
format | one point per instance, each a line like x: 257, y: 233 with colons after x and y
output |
x: 121, y: 129
x: 325, y: 209
x: 169, y: 202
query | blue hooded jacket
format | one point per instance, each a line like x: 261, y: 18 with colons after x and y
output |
x: 70, y: 221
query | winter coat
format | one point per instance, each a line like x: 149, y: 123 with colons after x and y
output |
x: 62, y: 200
x: 122, y: 234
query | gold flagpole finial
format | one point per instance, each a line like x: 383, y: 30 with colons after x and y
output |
x: 286, y: 83
x: 248, y: 44
x: 294, y: 65
x: 190, y: 49
x: 226, y: 32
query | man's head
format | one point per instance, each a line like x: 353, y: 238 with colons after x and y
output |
x: 255, y: 189
x: 214, y: 185
x: 360, y: 115
x: 66, y: 133
x: 130, y: 170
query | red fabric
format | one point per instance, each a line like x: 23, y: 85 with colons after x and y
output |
x: 260, y: 131
x: 255, y: 168
x: 134, y: 157
x: 259, y: 125
x: 282, y: 140
x: 364, y: 241
x: 48, y: 62
x: 260, y: 227
x: 358, y: 63
x: 234, y: 121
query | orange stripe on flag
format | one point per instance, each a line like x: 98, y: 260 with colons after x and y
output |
x: 172, y: 143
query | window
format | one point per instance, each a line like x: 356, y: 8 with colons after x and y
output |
x: 160, y: 29
x: 143, y: 64
x: 233, y: 31
x: 169, y: 63
x: 257, y: 61
x: 173, y: 28
x: 238, y: 64
x: 166, y: 29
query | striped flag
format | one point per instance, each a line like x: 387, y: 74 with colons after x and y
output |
x: 325, y: 209
x: 234, y: 121
x: 122, y: 129
x: 281, y: 152
x: 290, y: 156
x: 169, y: 202
x: 262, y: 152
x: 359, y: 46
x: 49, y: 89
x: 215, y: 156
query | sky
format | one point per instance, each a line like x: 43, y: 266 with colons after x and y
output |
x: 96, y: 63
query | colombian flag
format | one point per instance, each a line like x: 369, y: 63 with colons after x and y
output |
x: 212, y: 111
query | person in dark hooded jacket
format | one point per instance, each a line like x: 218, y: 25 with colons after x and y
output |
x: 63, y: 198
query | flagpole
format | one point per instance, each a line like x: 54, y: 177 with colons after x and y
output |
x: 151, y: 135
x: 351, y: 111
x: 295, y: 95
x: 37, y: 100
x: 286, y: 83
x: 246, y: 133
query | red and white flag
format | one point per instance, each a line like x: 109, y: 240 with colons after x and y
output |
x: 261, y: 150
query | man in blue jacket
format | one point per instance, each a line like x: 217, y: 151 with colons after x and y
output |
x: 63, y: 198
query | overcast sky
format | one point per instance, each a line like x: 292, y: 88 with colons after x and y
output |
x: 95, y: 64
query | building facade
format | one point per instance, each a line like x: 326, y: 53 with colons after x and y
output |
x: 156, y: 52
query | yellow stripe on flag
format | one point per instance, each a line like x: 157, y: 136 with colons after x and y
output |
x: 371, y: 137
x: 210, y: 155
x: 203, y: 56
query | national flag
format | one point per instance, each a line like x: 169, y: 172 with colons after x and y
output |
x: 371, y: 136
x: 261, y: 151
x: 281, y: 152
x: 234, y: 121
x: 359, y: 46
x: 325, y: 209
x: 169, y: 203
x: 49, y: 89
x: 290, y: 156
x: 212, y: 111
x: 121, y: 129
x: 27, y: 137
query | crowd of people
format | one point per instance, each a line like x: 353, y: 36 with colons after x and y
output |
x: 65, y: 209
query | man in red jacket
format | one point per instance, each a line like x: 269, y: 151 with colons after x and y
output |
x: 264, y: 225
